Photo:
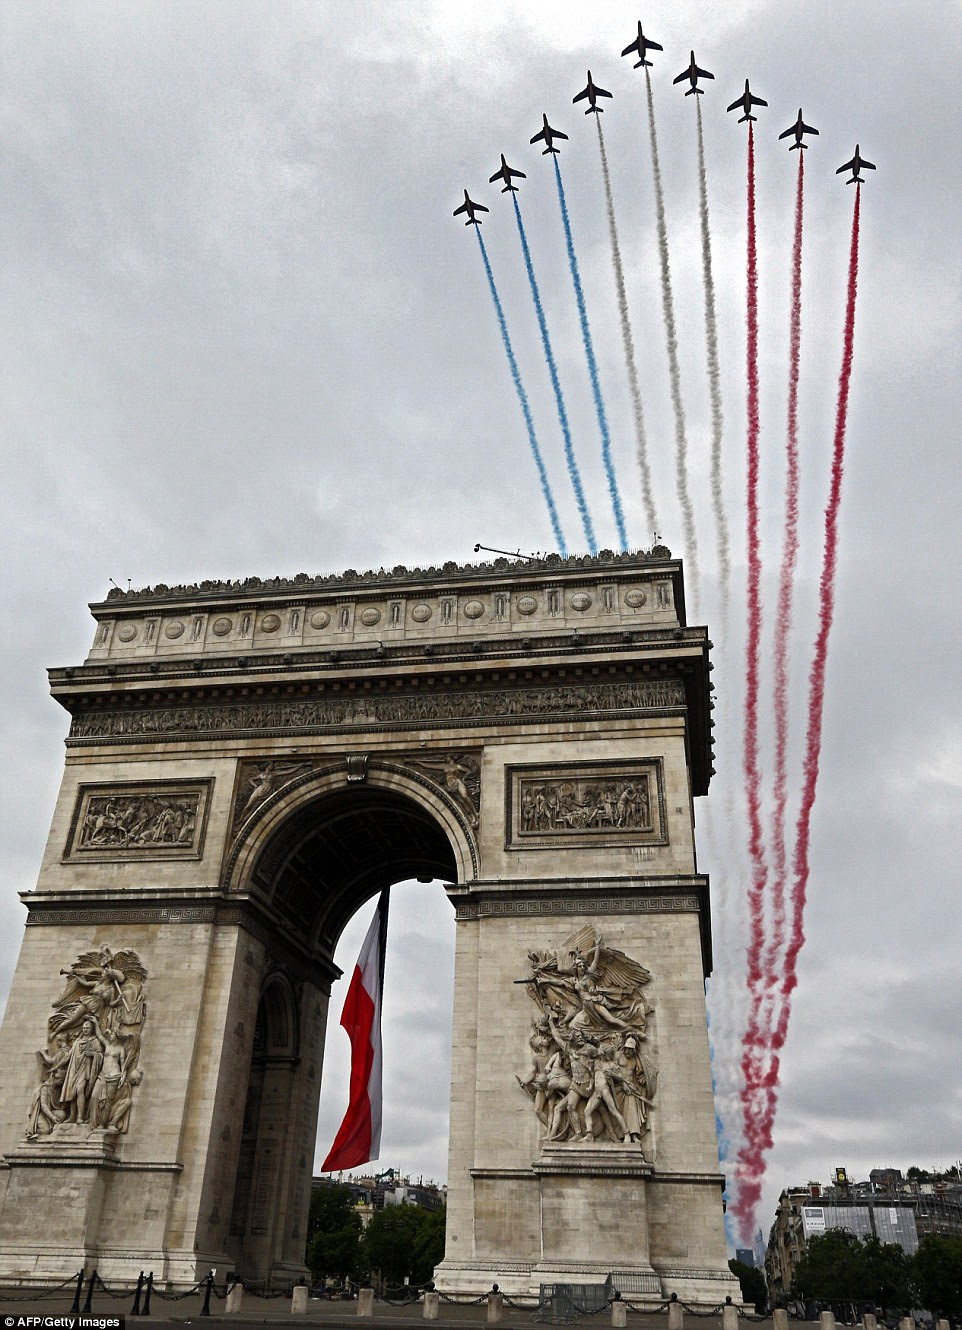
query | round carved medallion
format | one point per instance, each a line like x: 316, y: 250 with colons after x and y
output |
x: 421, y: 613
x: 127, y: 633
x: 526, y: 604
x: 320, y: 619
x: 174, y: 629
x: 370, y: 616
x: 222, y: 626
x: 270, y: 623
x: 635, y: 598
x: 473, y: 610
x: 580, y: 601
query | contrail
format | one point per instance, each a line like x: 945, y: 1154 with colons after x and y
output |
x: 783, y: 620
x: 592, y: 363
x: 714, y: 377
x: 674, y: 370
x: 556, y: 385
x: 754, y: 1158
x: 651, y: 515
x: 523, y: 399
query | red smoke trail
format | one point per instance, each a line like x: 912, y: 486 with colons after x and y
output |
x: 760, y: 1109
x: 783, y: 619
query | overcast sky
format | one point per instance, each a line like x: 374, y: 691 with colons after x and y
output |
x: 244, y: 335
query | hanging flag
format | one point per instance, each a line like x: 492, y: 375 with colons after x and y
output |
x: 359, y: 1137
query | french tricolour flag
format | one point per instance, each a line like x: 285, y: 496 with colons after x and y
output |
x: 359, y: 1136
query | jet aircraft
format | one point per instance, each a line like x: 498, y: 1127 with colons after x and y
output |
x: 798, y: 129
x: 506, y: 174
x: 746, y: 101
x: 693, y: 74
x: 855, y: 165
x: 549, y: 135
x: 470, y: 207
x: 642, y: 45
x: 592, y: 92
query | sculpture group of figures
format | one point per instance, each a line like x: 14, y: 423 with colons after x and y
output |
x: 89, y: 1069
x: 589, y: 1079
x: 574, y: 805
x: 139, y: 820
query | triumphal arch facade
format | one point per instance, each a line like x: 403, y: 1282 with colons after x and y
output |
x: 249, y: 762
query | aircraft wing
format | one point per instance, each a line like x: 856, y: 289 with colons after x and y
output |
x: 602, y: 92
x: 681, y: 77
x: 739, y: 101
x: 788, y: 132
x: 581, y: 95
x: 703, y: 73
x: 635, y: 46
x: 464, y: 206
x: 849, y: 166
x: 808, y: 129
x: 541, y: 134
x: 757, y: 101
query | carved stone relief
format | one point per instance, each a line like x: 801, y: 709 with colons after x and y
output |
x: 590, y: 1078
x: 376, y: 709
x: 89, y: 1068
x: 459, y: 774
x: 586, y: 803
x: 139, y: 821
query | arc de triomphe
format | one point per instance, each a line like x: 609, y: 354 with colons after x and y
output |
x: 247, y: 763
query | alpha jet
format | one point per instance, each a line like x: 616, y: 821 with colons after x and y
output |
x: 798, y: 129
x: 693, y: 74
x: 548, y: 135
x: 507, y: 173
x: 592, y: 92
x: 470, y: 207
x: 642, y: 45
x: 746, y: 101
x: 856, y: 165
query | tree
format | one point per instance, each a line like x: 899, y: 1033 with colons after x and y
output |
x: 752, y: 1282
x: 833, y: 1267
x: 334, y: 1233
x: 937, y: 1274
x: 888, y: 1273
x: 404, y: 1241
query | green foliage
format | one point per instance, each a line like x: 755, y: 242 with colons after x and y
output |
x: 334, y: 1234
x: 752, y: 1281
x: 839, y: 1266
x: 403, y: 1240
x: 937, y: 1274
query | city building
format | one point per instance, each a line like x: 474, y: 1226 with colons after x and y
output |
x: 893, y: 1208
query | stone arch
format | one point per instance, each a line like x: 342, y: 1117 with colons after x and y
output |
x: 409, y: 808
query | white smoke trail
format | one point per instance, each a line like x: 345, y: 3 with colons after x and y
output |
x: 674, y: 371
x: 714, y: 379
x: 651, y: 515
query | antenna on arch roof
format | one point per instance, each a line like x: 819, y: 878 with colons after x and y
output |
x: 512, y: 554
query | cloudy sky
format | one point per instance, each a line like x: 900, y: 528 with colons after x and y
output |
x: 244, y: 335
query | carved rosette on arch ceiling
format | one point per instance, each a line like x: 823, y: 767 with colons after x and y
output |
x: 89, y: 1069
x: 590, y: 1080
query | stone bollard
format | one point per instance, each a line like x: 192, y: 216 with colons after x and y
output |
x: 299, y: 1300
x: 235, y: 1296
x: 729, y: 1316
x: 780, y: 1318
x: 827, y: 1320
x: 676, y: 1315
x: 907, y: 1323
x: 619, y: 1314
x: 869, y: 1321
x: 365, y: 1302
x: 495, y: 1306
x: 941, y: 1324
x: 431, y: 1304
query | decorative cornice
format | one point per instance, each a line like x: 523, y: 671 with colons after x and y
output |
x: 399, y: 576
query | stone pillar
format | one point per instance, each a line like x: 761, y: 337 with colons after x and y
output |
x: 299, y: 1300
x: 827, y: 1321
x: 942, y: 1324
x: 619, y: 1315
x: 495, y: 1307
x: 235, y: 1299
x: 431, y: 1304
x: 365, y: 1302
x: 869, y: 1321
x: 907, y: 1323
x: 729, y: 1316
x: 676, y: 1316
x: 780, y: 1319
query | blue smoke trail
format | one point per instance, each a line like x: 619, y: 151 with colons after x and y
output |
x: 556, y: 385
x: 592, y: 364
x: 523, y: 399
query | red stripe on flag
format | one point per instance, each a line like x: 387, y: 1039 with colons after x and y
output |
x: 358, y: 1139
